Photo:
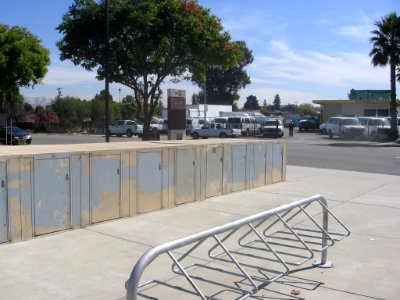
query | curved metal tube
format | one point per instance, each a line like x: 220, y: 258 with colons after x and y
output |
x: 149, y: 256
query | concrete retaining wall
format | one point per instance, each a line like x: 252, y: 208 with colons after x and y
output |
x: 45, y: 189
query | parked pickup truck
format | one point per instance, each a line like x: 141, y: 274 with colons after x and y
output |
x: 160, y: 125
x: 123, y: 127
x: 214, y: 130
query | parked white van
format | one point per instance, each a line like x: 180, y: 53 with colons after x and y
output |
x: 345, y: 127
x: 375, y: 125
x: 222, y: 121
x: 248, y: 125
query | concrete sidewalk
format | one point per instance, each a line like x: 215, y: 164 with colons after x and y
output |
x: 95, y: 262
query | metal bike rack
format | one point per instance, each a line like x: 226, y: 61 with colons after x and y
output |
x: 248, y: 254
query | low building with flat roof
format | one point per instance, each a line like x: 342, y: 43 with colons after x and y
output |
x: 370, y: 103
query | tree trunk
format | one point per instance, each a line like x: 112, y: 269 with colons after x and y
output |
x: 394, y: 133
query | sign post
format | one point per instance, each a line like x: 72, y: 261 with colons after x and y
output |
x: 176, y: 114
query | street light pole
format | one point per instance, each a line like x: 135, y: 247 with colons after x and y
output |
x: 5, y: 108
x: 106, y: 70
x: 205, y: 97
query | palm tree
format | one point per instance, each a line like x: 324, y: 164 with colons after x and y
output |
x: 386, y: 50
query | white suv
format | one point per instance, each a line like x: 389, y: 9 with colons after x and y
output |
x: 345, y: 127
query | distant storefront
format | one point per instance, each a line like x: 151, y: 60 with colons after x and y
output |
x: 363, y: 103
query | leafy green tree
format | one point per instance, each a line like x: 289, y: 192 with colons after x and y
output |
x: 195, y: 98
x: 128, y: 107
x: 159, y: 109
x: 306, y: 109
x: 28, y: 108
x: 386, y: 50
x: 97, y: 108
x: 235, y: 107
x: 12, y: 103
x: 265, y: 108
x: 277, y: 102
x: 149, y: 40
x: 23, y: 62
x: 39, y: 108
x: 292, y: 108
x: 352, y: 94
x: 222, y: 84
x: 251, y: 103
x: 72, y: 112
x: 67, y: 109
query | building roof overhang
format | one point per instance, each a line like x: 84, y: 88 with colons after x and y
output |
x: 369, y: 101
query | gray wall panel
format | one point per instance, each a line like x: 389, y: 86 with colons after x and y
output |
x: 3, y: 204
x: 214, y: 170
x: 52, y: 206
x: 258, y: 164
x: 105, y: 187
x: 185, y: 175
x: 149, y: 181
x: 238, y: 167
x: 277, y: 162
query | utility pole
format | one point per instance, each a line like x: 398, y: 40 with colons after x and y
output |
x: 106, y: 70
x: 5, y: 108
x: 205, y: 96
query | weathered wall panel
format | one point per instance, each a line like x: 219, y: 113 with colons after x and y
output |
x: 167, y: 167
x: 4, y: 225
x: 185, y: 175
x: 106, y: 187
x: 284, y: 158
x: 171, y: 202
x: 125, y: 188
x: 84, y: 200
x: 277, y: 162
x: 76, y: 191
x: 258, y: 165
x: 214, y: 170
x: 268, y: 163
x: 133, y: 205
x: 52, y: 200
x: 14, y: 201
x: 149, y: 181
x: 26, y: 192
x: 238, y: 167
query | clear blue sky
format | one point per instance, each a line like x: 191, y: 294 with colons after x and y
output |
x: 303, y: 50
